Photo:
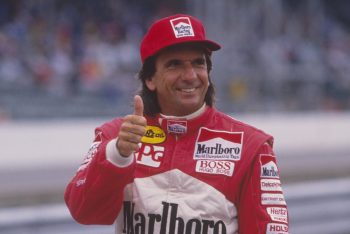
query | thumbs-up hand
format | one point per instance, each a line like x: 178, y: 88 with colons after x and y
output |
x: 138, y: 105
x: 132, y: 129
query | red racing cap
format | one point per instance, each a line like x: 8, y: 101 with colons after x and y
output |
x: 175, y: 29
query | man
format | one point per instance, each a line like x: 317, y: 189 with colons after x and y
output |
x: 178, y: 165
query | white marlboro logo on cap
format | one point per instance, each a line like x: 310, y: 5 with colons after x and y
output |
x: 218, y: 145
x: 182, y: 27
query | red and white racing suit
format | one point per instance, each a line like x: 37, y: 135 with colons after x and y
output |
x: 207, y: 174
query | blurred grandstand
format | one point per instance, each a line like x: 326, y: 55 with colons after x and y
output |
x: 61, y: 58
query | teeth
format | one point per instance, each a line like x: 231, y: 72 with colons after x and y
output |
x: 188, y: 90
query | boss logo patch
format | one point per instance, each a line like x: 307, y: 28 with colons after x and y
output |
x: 215, y: 167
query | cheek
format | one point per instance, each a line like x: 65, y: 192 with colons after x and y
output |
x: 168, y: 81
x: 205, y: 78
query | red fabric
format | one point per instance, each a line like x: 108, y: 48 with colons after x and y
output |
x: 96, y: 193
x: 164, y: 33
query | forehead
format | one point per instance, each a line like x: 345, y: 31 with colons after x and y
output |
x: 182, y: 51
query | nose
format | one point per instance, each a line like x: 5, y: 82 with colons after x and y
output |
x: 189, y: 71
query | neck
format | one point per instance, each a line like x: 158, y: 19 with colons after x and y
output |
x: 190, y: 116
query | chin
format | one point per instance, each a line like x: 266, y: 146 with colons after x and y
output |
x: 189, y: 108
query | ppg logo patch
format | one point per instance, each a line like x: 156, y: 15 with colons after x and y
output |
x: 150, y: 155
x: 182, y: 27
x: 218, y: 145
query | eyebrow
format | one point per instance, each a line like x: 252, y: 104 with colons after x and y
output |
x: 196, y: 59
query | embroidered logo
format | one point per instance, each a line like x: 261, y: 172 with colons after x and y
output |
x: 268, y: 166
x: 177, y: 126
x: 167, y: 220
x: 272, y: 199
x: 153, y: 135
x: 92, y: 151
x: 270, y: 185
x: 215, y: 167
x: 276, y: 228
x: 182, y: 27
x: 279, y: 214
x: 150, y: 155
x: 218, y: 145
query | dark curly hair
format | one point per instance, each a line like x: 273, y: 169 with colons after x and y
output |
x: 151, y: 105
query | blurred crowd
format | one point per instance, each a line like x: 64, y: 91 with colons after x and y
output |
x: 66, y: 48
x: 73, y: 46
x: 289, y: 55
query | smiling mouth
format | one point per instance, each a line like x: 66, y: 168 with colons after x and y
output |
x: 187, y: 90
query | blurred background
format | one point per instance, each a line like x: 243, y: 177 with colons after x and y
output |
x: 68, y: 66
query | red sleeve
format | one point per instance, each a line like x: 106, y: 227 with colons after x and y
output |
x: 95, y: 194
x: 262, y: 207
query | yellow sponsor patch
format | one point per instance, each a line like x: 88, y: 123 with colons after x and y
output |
x: 153, y: 135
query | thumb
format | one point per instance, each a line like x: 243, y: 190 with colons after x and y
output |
x: 138, y: 105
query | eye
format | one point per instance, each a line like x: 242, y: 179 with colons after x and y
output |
x: 172, y: 64
x: 200, y: 62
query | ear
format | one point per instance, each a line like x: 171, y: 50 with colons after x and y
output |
x: 151, y: 85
